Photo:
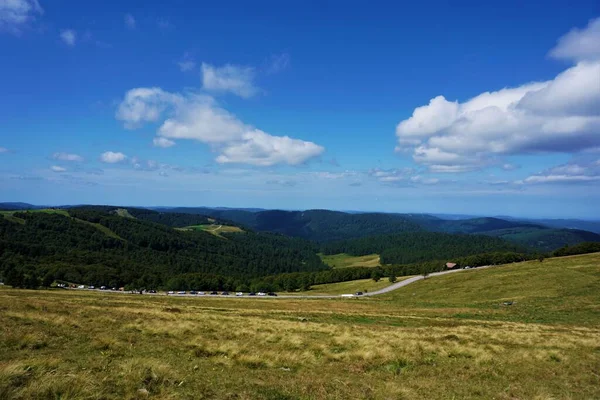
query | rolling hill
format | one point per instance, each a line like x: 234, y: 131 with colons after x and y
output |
x: 96, y: 247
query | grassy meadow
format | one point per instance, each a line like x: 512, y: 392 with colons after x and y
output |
x: 447, y: 337
x: 346, y: 260
x: 360, y: 285
x: 216, y: 230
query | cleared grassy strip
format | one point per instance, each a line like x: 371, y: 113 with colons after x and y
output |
x: 345, y: 260
x: 101, y: 228
x: 216, y: 230
x: 122, y: 212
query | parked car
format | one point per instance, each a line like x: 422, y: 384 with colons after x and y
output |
x: 358, y: 293
x: 261, y: 294
x: 102, y: 287
x: 272, y: 294
x: 92, y: 287
x: 201, y: 293
x: 181, y: 292
x: 81, y: 287
x: 251, y: 294
x: 213, y: 293
x: 170, y: 292
x: 239, y: 294
x: 152, y: 291
x: 225, y: 294
x: 192, y: 292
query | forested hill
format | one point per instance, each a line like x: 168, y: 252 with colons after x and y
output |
x: 406, y: 248
x: 99, y: 247
x: 317, y: 225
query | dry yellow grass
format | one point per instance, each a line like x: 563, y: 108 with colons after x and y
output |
x: 94, y: 345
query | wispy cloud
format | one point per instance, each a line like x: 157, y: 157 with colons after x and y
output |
x: 69, y: 37
x: 16, y: 15
x: 236, y: 79
x: 277, y: 63
x: 186, y: 63
x: 130, y: 21
x: 56, y: 168
x: 62, y: 156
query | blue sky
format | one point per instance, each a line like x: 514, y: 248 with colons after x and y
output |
x: 464, y: 108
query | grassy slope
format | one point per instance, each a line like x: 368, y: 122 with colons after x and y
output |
x: 444, y: 338
x: 361, y: 285
x: 345, y: 260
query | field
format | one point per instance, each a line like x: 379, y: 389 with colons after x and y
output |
x: 447, y: 337
x: 216, y: 230
x: 345, y: 260
x: 361, y: 285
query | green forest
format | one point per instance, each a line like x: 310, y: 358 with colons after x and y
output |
x: 141, y: 248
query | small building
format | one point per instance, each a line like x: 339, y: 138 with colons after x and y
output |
x: 450, y: 265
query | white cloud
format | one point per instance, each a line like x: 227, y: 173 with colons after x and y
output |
x: 259, y: 148
x: 130, y: 21
x: 566, y: 173
x: 3, y: 150
x: 67, y: 157
x: 559, y: 115
x: 163, y: 142
x: 579, y: 44
x: 68, y: 36
x: 110, y: 157
x: 199, y: 117
x: 144, y: 105
x: 404, y: 175
x: 56, y: 168
x: 229, y: 78
x: 15, y: 15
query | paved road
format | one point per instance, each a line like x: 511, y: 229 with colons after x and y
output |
x: 386, y: 289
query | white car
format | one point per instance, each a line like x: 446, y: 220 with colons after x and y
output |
x: 261, y: 294
x: 200, y: 293
x: 81, y: 287
x: 170, y: 292
x: 239, y: 294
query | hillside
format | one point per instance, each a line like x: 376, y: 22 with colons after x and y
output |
x: 106, y: 249
x: 544, y: 239
x: 317, y: 225
x: 558, y: 290
x: 406, y: 248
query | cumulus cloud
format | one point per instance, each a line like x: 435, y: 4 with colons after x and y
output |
x: 69, y: 37
x: 566, y: 173
x: 130, y: 21
x: 145, y: 105
x: 163, y: 142
x: 229, y: 78
x: 15, y: 15
x: 56, y: 168
x: 262, y: 149
x: 559, y: 115
x: 61, y: 156
x: 200, y: 118
x: 110, y: 157
x: 579, y: 44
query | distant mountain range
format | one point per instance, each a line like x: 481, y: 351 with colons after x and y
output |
x: 329, y: 226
